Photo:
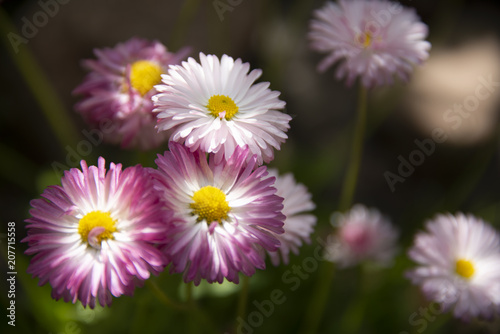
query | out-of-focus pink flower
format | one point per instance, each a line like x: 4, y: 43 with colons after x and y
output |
x: 117, y: 91
x: 374, y: 40
x: 362, y: 235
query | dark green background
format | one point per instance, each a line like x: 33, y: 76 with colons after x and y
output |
x: 270, y: 35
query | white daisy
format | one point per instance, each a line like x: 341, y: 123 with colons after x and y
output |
x: 215, y: 107
x: 459, y: 258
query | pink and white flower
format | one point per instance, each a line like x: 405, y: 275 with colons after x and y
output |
x: 459, y: 265
x: 371, y: 39
x: 362, y: 235
x: 225, y: 211
x: 117, y: 91
x: 299, y: 223
x: 95, y: 235
x: 216, y: 107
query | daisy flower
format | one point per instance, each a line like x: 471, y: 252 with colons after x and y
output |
x: 215, y: 107
x: 118, y: 90
x: 362, y: 235
x: 94, y: 236
x: 374, y: 40
x: 224, y: 212
x: 298, y: 224
x: 459, y: 258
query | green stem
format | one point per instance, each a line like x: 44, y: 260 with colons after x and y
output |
x: 319, y: 299
x: 320, y: 295
x: 368, y: 283
x: 350, y: 181
x: 39, y: 85
x: 242, y: 301
x: 191, y: 325
x: 190, y: 307
x: 189, y: 293
x: 163, y: 297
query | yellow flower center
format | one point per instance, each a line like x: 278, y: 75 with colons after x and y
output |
x: 368, y: 40
x: 464, y: 268
x: 365, y: 39
x: 209, y: 204
x: 96, y: 226
x: 222, y: 106
x: 144, y: 75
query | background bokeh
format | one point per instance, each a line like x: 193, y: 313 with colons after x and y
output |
x: 461, y: 175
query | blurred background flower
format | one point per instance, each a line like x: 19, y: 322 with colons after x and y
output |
x: 362, y: 234
x: 118, y: 90
x: 459, y: 265
x: 374, y: 40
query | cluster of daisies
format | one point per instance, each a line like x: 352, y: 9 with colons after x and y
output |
x: 211, y: 209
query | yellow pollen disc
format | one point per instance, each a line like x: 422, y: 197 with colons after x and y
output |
x: 367, y: 40
x: 464, y: 268
x: 144, y: 75
x: 97, y: 219
x: 222, y: 106
x: 210, y: 204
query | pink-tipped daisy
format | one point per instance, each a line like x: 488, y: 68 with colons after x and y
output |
x: 362, y: 235
x: 459, y: 258
x: 118, y: 91
x: 95, y: 235
x: 215, y: 107
x: 225, y: 211
x: 298, y: 224
x: 374, y: 40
